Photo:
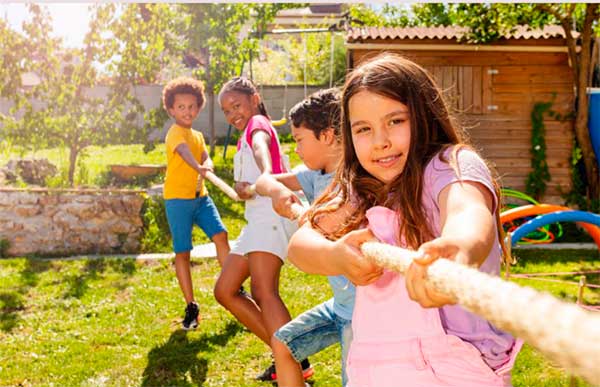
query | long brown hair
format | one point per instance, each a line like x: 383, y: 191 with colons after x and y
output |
x: 432, y: 131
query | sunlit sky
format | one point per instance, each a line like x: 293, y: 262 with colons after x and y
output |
x: 69, y: 20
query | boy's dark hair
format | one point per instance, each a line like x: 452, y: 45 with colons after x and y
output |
x: 183, y: 85
x: 245, y: 86
x: 318, y: 112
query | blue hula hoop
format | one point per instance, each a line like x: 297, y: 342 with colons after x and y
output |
x: 559, y: 216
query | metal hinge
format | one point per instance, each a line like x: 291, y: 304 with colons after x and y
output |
x: 492, y: 107
x: 493, y: 71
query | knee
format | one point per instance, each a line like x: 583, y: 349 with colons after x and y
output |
x: 280, y: 350
x: 222, y: 294
x: 220, y: 238
x: 263, y: 295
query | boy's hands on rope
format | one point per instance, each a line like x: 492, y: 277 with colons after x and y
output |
x: 202, y: 169
x: 282, y: 201
x: 244, y: 190
x: 418, y: 288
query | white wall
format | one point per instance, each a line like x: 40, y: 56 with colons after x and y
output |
x: 276, y: 99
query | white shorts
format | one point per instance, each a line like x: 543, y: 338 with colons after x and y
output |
x: 271, y: 236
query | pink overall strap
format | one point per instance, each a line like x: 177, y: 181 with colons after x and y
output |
x: 263, y: 123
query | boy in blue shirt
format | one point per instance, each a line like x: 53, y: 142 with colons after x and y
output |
x: 315, y: 128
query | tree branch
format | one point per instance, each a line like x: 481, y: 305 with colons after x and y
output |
x: 565, y: 22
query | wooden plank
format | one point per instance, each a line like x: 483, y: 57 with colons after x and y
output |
x: 554, y: 164
x: 466, y: 58
x: 530, y: 88
x: 480, y: 122
x: 486, y: 91
x: 517, y: 180
x: 516, y: 78
x: 460, y: 89
x: 461, y: 58
x: 550, y: 71
x: 518, y: 132
x: 467, y: 88
x: 477, y: 89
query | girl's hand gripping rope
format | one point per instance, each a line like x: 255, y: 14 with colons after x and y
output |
x: 419, y: 289
x: 356, y: 267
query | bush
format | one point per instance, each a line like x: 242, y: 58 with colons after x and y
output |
x: 4, y: 245
x: 156, y: 236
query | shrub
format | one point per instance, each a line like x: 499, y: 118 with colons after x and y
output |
x: 156, y: 236
x: 4, y: 245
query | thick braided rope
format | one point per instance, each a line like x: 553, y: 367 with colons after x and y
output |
x: 565, y: 333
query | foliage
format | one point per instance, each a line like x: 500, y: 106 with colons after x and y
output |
x: 4, y: 246
x: 11, y: 66
x: 60, y: 110
x: 284, y: 63
x: 388, y: 16
x: 214, y: 33
x: 540, y: 174
x: 156, y: 234
x: 577, y: 195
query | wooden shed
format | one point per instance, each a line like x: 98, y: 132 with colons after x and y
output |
x: 493, y: 88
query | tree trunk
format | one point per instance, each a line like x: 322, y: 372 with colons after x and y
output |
x: 581, y: 119
x: 73, y: 153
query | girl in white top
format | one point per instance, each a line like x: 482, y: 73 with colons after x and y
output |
x: 262, y: 245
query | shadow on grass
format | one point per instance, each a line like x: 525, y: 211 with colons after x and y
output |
x: 11, y: 303
x: 177, y: 362
x: 93, y: 270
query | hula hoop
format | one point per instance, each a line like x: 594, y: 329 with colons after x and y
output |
x: 559, y: 216
x: 540, y: 209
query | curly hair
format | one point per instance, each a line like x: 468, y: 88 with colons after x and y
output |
x: 320, y: 111
x: 183, y: 85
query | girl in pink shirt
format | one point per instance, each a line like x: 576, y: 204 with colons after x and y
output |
x: 408, y: 178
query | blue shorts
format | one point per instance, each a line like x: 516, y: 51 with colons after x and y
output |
x: 182, y: 214
x: 315, y: 330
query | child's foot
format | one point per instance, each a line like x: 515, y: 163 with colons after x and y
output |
x: 190, y: 321
x: 269, y: 375
x: 244, y: 293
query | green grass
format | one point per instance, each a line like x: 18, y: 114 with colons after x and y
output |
x: 94, y: 164
x: 115, y: 322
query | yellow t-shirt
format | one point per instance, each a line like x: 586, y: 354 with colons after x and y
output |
x: 181, y: 179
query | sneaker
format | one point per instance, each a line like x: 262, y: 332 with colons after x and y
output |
x: 269, y: 375
x: 190, y: 321
x: 244, y: 293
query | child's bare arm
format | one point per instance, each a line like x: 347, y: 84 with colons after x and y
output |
x: 468, y: 235
x: 207, y: 161
x: 312, y: 253
x: 276, y: 187
x: 186, y: 154
x: 260, y: 148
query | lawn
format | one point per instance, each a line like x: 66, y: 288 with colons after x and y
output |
x: 115, y: 321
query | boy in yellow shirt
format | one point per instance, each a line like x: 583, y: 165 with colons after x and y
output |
x: 186, y: 198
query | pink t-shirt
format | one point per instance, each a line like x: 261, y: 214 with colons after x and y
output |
x: 260, y: 122
x: 494, y: 345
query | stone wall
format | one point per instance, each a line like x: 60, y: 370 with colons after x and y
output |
x: 65, y: 222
